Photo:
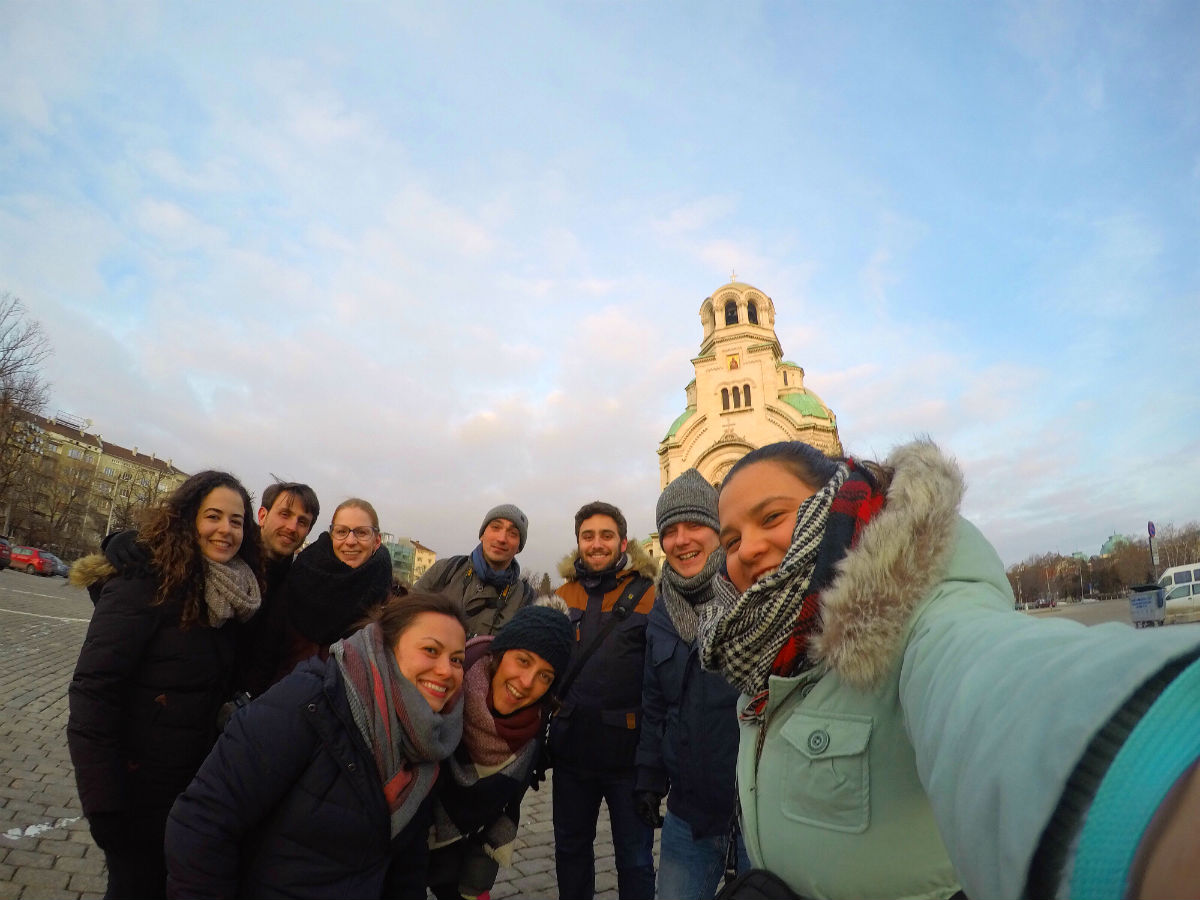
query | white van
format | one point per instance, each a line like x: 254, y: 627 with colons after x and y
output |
x: 1182, y: 586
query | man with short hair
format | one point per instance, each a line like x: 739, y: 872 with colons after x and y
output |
x: 288, y: 512
x: 593, y: 739
x: 689, y: 742
x: 487, y: 581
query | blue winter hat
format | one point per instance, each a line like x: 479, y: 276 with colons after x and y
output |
x: 542, y: 628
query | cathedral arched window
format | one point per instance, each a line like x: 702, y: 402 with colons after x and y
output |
x: 731, y: 317
x: 785, y: 377
x: 752, y: 312
x: 745, y: 394
x: 724, y: 398
x: 737, y: 398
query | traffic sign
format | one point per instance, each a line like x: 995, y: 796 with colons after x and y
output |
x: 1150, y: 528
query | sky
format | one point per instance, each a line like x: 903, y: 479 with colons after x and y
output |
x: 446, y: 256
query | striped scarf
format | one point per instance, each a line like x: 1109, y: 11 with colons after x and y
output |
x: 767, y: 629
x: 406, y: 737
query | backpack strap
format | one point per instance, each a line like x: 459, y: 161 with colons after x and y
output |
x: 456, y: 563
x: 630, y: 598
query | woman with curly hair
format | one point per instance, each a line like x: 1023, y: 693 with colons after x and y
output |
x: 155, y: 667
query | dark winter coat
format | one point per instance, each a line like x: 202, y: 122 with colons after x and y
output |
x: 289, y: 804
x: 144, y: 696
x: 689, y: 739
x: 262, y: 640
x: 324, y: 599
x: 598, y: 725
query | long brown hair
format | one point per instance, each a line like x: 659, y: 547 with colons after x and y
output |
x: 169, y: 530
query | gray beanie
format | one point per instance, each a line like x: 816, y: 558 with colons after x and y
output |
x: 513, y: 514
x: 689, y: 498
x: 544, y: 628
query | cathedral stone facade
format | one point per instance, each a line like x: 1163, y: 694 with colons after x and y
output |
x: 744, y: 395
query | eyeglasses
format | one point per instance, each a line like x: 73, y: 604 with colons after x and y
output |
x: 362, y: 532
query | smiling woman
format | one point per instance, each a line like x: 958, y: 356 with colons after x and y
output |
x: 334, y: 583
x: 155, y: 666
x: 339, y: 807
x: 506, y: 702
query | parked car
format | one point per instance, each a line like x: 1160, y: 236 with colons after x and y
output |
x: 5, y: 553
x: 60, y: 568
x: 33, y: 561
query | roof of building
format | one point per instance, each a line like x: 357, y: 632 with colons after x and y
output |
x: 683, y: 417
x: 805, y: 404
x: 417, y: 545
x: 146, y: 461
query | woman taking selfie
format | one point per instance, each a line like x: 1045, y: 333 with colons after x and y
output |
x: 891, y: 742
x: 506, y: 701
x: 321, y: 786
x: 155, y: 667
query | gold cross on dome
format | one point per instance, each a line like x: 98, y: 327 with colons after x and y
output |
x: 732, y: 276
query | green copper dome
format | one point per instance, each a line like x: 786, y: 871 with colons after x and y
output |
x: 683, y: 417
x: 806, y: 405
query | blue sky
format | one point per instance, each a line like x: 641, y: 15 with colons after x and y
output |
x: 453, y: 256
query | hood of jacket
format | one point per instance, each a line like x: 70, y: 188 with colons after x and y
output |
x: 900, y: 556
x: 90, y: 569
x: 639, y: 561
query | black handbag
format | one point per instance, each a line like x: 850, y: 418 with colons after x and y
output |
x: 757, y: 884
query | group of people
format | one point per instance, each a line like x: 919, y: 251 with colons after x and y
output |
x: 826, y: 682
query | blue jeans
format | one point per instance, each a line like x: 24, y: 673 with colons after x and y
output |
x: 691, y: 868
x: 577, y: 796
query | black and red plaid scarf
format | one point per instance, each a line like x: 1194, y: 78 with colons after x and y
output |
x: 766, y: 631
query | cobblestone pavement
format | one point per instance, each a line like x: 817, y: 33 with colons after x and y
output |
x: 45, y: 848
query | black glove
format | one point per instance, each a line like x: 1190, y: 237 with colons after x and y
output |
x: 646, y: 804
x: 126, y: 554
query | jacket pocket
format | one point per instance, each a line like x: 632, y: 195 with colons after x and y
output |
x: 826, y: 774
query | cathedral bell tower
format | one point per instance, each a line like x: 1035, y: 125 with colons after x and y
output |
x: 744, y: 395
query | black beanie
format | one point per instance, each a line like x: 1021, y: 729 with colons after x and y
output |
x: 544, y: 630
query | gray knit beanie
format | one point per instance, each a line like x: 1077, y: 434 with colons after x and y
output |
x: 689, y: 498
x: 513, y: 514
x: 543, y: 628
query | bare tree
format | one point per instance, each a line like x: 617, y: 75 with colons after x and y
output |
x: 23, y: 349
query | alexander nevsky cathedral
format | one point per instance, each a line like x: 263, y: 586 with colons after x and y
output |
x: 744, y: 395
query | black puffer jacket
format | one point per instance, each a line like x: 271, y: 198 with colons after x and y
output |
x: 289, y: 804
x: 144, y: 697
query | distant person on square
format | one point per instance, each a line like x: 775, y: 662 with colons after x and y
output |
x: 487, y: 581
x: 593, y: 740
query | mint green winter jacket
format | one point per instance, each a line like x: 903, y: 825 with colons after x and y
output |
x: 928, y: 748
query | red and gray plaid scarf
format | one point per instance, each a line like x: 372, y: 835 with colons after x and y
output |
x: 406, y: 737
x: 766, y: 631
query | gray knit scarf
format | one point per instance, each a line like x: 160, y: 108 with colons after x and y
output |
x: 740, y: 636
x: 407, y: 738
x: 230, y: 591
x: 681, y: 596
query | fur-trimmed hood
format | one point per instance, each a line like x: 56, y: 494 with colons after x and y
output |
x: 90, y: 570
x: 900, y: 555
x: 639, y: 561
